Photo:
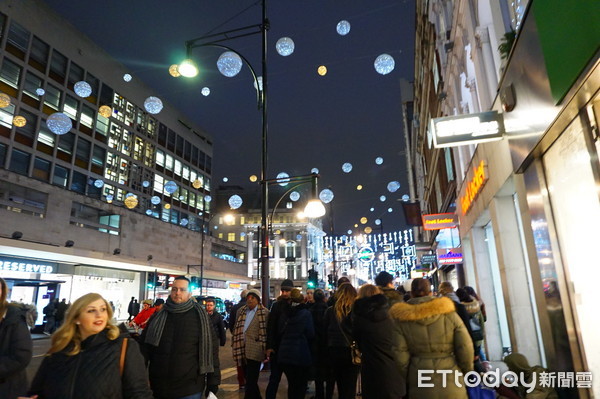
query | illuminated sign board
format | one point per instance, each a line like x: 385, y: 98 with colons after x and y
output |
x: 440, y: 221
x: 24, y: 266
x: 453, y: 131
x: 428, y: 259
x: 451, y: 256
x: 473, y: 187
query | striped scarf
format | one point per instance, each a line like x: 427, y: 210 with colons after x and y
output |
x: 157, y: 325
x: 238, y: 339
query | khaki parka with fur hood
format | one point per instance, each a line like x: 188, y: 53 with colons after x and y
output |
x: 432, y: 337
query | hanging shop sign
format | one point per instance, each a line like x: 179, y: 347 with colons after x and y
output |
x: 428, y: 259
x: 438, y: 221
x: 473, y: 187
x: 235, y: 286
x: 451, y: 256
x: 454, y: 131
x: 21, y: 265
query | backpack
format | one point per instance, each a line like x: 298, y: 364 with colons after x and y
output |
x: 475, y: 324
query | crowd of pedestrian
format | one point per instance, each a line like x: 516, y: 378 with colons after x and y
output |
x: 373, y: 340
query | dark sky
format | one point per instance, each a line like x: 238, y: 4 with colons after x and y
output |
x: 352, y: 114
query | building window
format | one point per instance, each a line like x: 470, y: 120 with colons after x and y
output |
x: 11, y: 75
x: 82, y: 154
x: 169, y: 162
x: 75, y: 74
x: 95, y: 219
x: 45, y: 140
x: 38, y: 57
x: 58, y: 67
x: 230, y: 236
x: 41, y: 170
x: 26, y: 134
x: 52, y: 97
x: 32, y: 83
x: 22, y: 199
x: 160, y: 158
x: 78, y: 182
x: 61, y: 176
x: 6, y: 118
x: 87, y: 117
x: 19, y: 162
x: 65, y: 147
x: 70, y: 107
x: 18, y: 40
x: 2, y: 152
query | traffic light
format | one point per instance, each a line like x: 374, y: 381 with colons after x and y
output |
x: 194, y: 283
x: 152, y: 281
x: 313, y: 278
x: 331, y: 280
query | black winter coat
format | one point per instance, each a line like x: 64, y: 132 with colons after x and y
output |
x: 277, y: 316
x: 15, y: 353
x: 94, y: 372
x: 296, y: 337
x: 219, y: 329
x: 375, y: 333
x: 317, y: 310
x: 233, y: 314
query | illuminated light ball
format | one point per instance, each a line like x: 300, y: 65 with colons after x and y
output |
x: 4, y: 100
x: 181, y: 197
x: 253, y: 178
x: 405, y: 198
x: 372, y: 209
x: 40, y: 91
x: 153, y: 105
x: 170, y: 187
x: 359, y: 187
x: 196, y: 183
x: 127, y: 77
x: 347, y: 167
x: 315, y: 170
x: 343, y: 27
x: 368, y: 230
x: 229, y: 64
x: 105, y: 111
x: 295, y: 196
x: 82, y: 89
x: 174, y: 71
x: 284, y: 46
x: 284, y: 179
x: 326, y: 196
x: 235, y: 201
x: 363, y: 220
x: 208, y: 198
x: 355, y: 225
x: 242, y: 234
x: 299, y: 237
x: 99, y: 183
x: 146, y: 183
x: 382, y: 198
x: 377, y: 222
x: 225, y: 179
x: 393, y: 186
x: 390, y: 210
x: 260, y: 84
x: 131, y: 201
x: 155, y: 200
x: 59, y: 123
x: 205, y: 91
x: 149, y: 212
x: 167, y: 206
x: 109, y: 198
x: 349, y: 231
x: 322, y: 70
x: 384, y: 64
x: 378, y: 160
x: 184, y: 222
x: 19, y: 121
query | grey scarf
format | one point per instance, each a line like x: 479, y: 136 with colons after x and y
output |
x: 156, y: 327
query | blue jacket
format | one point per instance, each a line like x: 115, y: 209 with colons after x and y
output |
x: 297, y: 334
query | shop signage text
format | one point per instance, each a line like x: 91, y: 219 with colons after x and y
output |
x: 453, y: 131
x: 8, y: 266
x: 449, y: 256
x: 428, y: 259
x: 473, y: 187
x: 438, y: 221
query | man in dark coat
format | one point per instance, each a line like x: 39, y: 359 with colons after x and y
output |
x: 232, y: 318
x: 136, y: 307
x: 275, y: 324
x: 130, y: 310
x: 317, y: 310
x: 61, y: 310
x: 178, y: 341
x: 385, y: 282
x: 219, y: 338
x: 15, y: 351
x: 50, y: 313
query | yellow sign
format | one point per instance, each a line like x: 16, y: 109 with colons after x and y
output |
x: 474, y: 187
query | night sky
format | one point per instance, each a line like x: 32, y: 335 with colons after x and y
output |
x: 352, y: 114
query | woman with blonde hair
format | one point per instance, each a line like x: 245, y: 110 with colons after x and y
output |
x: 339, y: 338
x: 89, y: 358
x: 15, y: 347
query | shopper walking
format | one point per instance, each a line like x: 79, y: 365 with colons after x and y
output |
x: 249, y: 341
x: 377, y: 337
x: 84, y: 359
x: 321, y: 362
x: 339, y: 338
x: 241, y: 377
x: 15, y: 347
x: 431, y: 337
x: 213, y: 380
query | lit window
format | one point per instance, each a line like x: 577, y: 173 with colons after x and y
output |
x: 160, y: 158
x: 178, y: 166
x: 230, y: 236
x: 220, y: 236
x: 169, y: 163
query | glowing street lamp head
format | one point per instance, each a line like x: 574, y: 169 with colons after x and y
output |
x: 188, y: 68
x: 314, y: 208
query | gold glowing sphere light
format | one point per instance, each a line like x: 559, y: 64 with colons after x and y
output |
x: 167, y: 206
x: 131, y: 202
x: 253, y: 178
x: 4, y: 100
x: 368, y: 230
x: 363, y: 220
x: 355, y: 225
x: 197, y: 184
x: 105, y: 111
x: 322, y: 70
x: 359, y: 187
x: 19, y: 121
x: 174, y: 71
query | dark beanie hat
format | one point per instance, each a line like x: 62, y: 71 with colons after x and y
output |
x: 383, y: 279
x: 287, y: 285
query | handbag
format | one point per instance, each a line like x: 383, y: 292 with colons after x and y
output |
x: 355, y: 353
x: 480, y: 392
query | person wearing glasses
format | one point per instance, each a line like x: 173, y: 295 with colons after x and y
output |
x: 178, y: 343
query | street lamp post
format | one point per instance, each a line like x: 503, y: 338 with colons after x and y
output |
x: 190, y: 70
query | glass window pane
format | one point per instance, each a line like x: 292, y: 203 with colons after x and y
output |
x: 19, y: 162
x: 18, y: 37
x: 52, y: 97
x: 10, y: 73
x: 32, y: 83
x: 70, y: 107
